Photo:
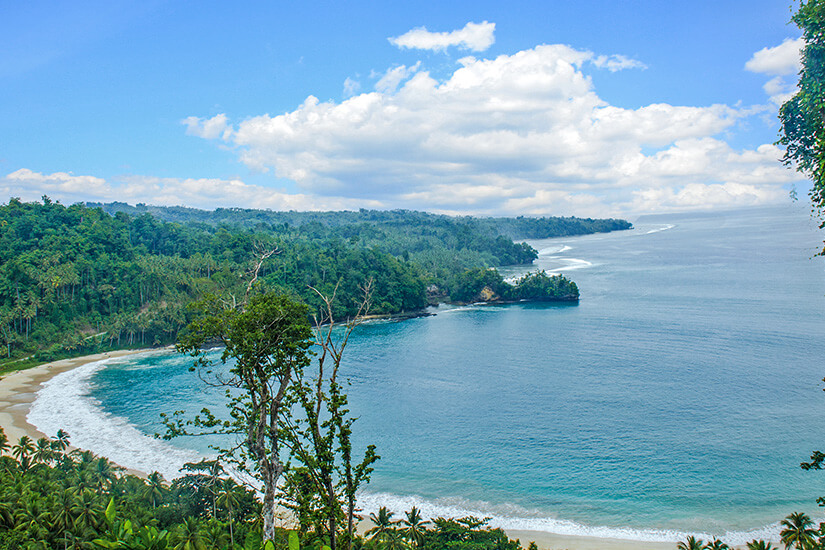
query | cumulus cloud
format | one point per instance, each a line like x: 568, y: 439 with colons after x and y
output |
x: 199, y: 193
x: 517, y: 134
x: 779, y: 62
x: 390, y: 80
x: 207, y: 128
x: 477, y: 37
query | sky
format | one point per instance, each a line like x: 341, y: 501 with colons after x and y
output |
x: 587, y: 108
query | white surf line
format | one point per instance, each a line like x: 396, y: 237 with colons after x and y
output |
x: 659, y: 229
x: 64, y: 403
x: 508, y: 516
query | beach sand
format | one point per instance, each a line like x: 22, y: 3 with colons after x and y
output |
x: 18, y: 390
x: 550, y: 541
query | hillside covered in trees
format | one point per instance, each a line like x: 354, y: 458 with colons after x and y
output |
x: 83, y: 277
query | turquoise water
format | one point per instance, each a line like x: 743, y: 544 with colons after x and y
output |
x: 679, y: 395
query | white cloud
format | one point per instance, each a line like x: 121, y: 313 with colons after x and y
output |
x: 521, y: 133
x: 477, y: 37
x: 390, y: 80
x: 614, y: 63
x: 780, y: 60
x: 199, y: 193
x: 31, y: 185
x: 351, y: 87
x: 207, y: 128
x: 779, y: 90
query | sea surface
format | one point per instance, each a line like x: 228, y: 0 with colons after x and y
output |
x: 679, y: 396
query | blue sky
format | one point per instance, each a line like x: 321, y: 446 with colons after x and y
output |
x: 555, y: 108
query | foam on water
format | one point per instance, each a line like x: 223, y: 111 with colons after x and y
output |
x: 513, y: 517
x: 64, y: 403
x: 568, y: 264
x: 663, y: 228
x: 557, y: 249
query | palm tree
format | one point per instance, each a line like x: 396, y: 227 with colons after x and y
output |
x: 798, y: 531
x: 61, y: 441
x: 62, y: 519
x: 155, y: 488
x: 717, y: 544
x: 383, y: 524
x: 34, y: 517
x: 105, y: 472
x: 415, y: 526
x: 213, y: 535
x: 22, y: 452
x: 188, y: 536
x: 760, y: 545
x: 229, y: 497
x: 393, y: 540
x: 23, y: 449
x: 692, y: 543
x: 4, y: 442
x: 43, y: 452
x: 87, y: 511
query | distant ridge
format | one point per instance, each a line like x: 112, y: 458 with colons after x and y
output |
x: 521, y: 227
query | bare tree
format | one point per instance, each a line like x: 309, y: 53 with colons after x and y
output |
x: 321, y: 439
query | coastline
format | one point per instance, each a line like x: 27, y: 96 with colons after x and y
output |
x: 18, y: 391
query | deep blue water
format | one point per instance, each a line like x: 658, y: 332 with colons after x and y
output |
x: 680, y: 393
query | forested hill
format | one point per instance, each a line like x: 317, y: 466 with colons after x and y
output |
x: 422, y: 223
x: 80, y: 278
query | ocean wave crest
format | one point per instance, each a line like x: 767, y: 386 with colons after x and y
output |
x: 514, y: 517
x: 64, y: 403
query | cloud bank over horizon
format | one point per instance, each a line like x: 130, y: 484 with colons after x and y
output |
x: 516, y: 134
x: 525, y: 133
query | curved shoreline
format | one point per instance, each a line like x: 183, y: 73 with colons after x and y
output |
x: 18, y: 391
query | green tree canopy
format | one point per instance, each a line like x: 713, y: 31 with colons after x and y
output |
x: 803, y: 115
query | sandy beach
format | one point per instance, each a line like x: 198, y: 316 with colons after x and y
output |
x: 18, y: 390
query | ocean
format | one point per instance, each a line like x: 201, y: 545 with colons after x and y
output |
x: 679, y: 396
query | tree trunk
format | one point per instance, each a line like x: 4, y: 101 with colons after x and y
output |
x: 269, y: 507
x: 350, y: 519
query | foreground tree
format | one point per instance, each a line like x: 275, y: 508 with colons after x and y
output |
x: 383, y: 524
x: 320, y: 438
x: 415, y: 526
x: 803, y: 115
x: 266, y: 341
x: 691, y: 543
x: 798, y: 531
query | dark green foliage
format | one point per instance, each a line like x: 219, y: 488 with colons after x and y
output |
x: 466, y: 534
x: 267, y: 337
x: 470, y: 284
x: 81, y: 279
x: 803, y: 115
x: 487, y: 285
x: 79, y: 500
x: 69, y: 502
